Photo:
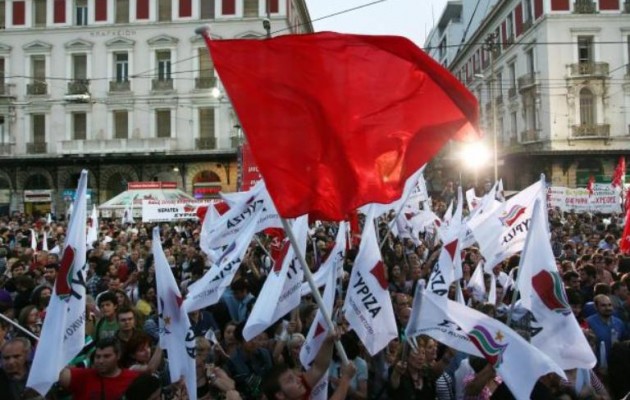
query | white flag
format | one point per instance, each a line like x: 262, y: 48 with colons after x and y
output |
x: 176, y: 334
x: 319, y: 328
x: 226, y: 229
x: 212, y: 251
x: 368, y: 306
x: 518, y: 363
x: 472, y: 199
x: 127, y: 217
x: 45, y: 241
x: 209, y: 289
x: 48, y: 219
x: 281, y: 292
x: 63, y: 332
x: 449, y: 265
x: 477, y: 283
x: 33, y: 240
x: 503, y: 233
x: 431, y: 318
x: 92, y: 233
x: 555, y: 330
x: 334, y: 260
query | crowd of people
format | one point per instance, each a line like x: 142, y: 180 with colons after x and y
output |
x: 122, y: 358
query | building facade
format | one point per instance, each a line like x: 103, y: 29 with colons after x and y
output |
x: 124, y: 89
x: 553, y: 82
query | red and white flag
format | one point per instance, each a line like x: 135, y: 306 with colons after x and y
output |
x: 33, y: 240
x: 624, y: 245
x: 176, y: 334
x: 590, y: 186
x: 209, y: 289
x: 368, y: 305
x: 281, y: 292
x: 503, y: 232
x: 45, y: 241
x: 334, y: 260
x: 555, y: 331
x: 92, y: 230
x: 619, y: 176
x: 63, y: 332
x: 518, y: 363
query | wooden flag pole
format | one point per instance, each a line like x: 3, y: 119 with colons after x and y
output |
x: 314, y: 290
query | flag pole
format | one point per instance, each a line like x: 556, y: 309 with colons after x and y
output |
x: 314, y: 290
x: 29, y: 333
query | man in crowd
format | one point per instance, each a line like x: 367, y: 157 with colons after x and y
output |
x: 15, y: 368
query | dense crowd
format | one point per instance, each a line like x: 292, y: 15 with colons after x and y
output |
x: 122, y: 356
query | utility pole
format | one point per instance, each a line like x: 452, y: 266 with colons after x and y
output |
x: 491, y: 45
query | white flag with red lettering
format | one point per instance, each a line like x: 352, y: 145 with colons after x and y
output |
x: 281, y: 292
x: 63, y: 332
x: 176, y: 334
x: 555, y: 330
x: 368, y: 306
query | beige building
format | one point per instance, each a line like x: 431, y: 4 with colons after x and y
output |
x: 552, y: 79
x: 123, y: 88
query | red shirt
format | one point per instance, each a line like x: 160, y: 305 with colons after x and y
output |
x: 86, y: 384
x: 307, y: 395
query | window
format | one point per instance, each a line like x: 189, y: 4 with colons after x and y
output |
x: 250, y: 8
x: 513, y: 124
x: 81, y: 12
x: 531, y: 117
x: 2, y: 74
x: 442, y: 48
x: 122, y: 11
x: 39, y: 8
x: 207, y: 9
x: 3, y: 16
x: 527, y: 10
x: 587, y: 107
x: 206, y: 122
x: 39, y: 128
x: 79, y: 67
x: 510, y: 27
x: 121, y: 61
x: 163, y: 123
x: 585, y: 49
x: 531, y: 66
x: 228, y: 7
x: 628, y: 55
x: 499, y: 85
x: 121, y: 124
x: 273, y: 6
x: 79, y: 126
x: 512, y: 75
x: 164, y: 10
x: 164, y: 64
x: 39, y: 68
x: 206, y: 70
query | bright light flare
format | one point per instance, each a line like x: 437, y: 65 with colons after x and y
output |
x: 475, y: 155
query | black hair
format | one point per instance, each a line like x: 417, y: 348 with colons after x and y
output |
x: 142, y: 387
x: 271, y: 381
x: 109, y: 342
x: 107, y: 296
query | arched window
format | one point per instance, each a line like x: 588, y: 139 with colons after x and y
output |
x: 587, y: 107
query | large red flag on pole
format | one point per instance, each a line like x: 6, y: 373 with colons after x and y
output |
x: 336, y: 121
x: 620, y: 173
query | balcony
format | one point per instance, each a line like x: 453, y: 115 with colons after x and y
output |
x: 594, y: 69
x: 209, y: 143
x: 36, y: 148
x: 107, y: 146
x: 161, y: 85
x: 526, y: 81
x: 5, y: 90
x: 530, y: 136
x: 205, y: 83
x: 79, y: 86
x: 512, y: 92
x: 584, y: 7
x: 37, y: 88
x: 119, y: 86
x: 590, y: 131
x: 6, y: 149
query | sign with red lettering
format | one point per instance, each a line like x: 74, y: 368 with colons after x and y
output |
x: 249, y: 171
x: 151, y: 185
x: 604, y: 199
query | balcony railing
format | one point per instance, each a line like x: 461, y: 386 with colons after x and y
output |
x: 37, y: 88
x: 36, y: 148
x: 104, y: 146
x: 79, y: 86
x: 584, y: 7
x: 162, y: 84
x: 119, y: 86
x: 530, y: 135
x: 526, y: 81
x: 205, y: 83
x: 512, y: 92
x: 589, y: 69
x: 590, y: 131
x: 209, y: 143
x: 5, y: 90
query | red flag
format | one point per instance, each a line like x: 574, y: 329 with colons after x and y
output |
x: 620, y: 173
x: 590, y: 186
x: 337, y: 121
x: 624, y: 246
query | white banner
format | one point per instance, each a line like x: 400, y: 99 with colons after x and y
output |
x: 603, y: 200
x: 170, y: 210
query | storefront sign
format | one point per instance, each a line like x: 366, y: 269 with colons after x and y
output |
x: 37, y: 196
x: 166, y: 210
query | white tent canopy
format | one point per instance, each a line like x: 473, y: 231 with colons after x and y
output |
x: 138, y: 191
